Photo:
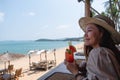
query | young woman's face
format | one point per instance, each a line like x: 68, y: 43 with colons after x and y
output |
x: 92, y: 36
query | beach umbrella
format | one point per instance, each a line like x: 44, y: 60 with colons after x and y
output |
x: 7, y: 57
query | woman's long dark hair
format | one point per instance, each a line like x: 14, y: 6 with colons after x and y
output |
x: 106, y: 41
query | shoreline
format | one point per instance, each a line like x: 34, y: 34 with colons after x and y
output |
x: 34, y: 75
x: 22, y: 47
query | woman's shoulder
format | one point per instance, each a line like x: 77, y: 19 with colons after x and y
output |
x: 101, y: 51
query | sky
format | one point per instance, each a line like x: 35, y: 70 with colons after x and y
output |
x: 36, y: 19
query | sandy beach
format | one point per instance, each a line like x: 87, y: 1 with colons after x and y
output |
x: 35, y: 74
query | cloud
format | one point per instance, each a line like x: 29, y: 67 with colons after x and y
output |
x: 63, y: 27
x: 2, y: 16
x: 31, y: 13
x: 45, y: 26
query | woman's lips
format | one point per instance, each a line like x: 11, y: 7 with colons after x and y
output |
x: 87, y: 39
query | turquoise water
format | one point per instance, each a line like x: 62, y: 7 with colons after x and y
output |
x: 23, y: 47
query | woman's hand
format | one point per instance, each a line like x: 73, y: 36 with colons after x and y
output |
x: 72, y: 67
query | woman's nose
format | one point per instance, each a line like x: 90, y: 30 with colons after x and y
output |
x: 85, y: 35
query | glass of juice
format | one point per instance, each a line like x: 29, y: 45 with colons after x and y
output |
x: 69, y: 55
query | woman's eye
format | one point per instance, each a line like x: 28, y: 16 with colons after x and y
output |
x: 89, y: 30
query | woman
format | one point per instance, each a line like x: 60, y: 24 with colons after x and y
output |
x: 103, y: 58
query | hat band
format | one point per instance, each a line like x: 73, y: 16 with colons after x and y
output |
x: 101, y: 20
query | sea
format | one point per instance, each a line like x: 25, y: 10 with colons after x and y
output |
x: 22, y: 47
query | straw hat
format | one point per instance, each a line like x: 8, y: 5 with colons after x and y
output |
x: 103, y: 21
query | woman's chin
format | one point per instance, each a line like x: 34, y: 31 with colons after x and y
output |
x: 87, y: 44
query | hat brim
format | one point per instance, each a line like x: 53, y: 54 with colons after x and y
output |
x: 114, y: 34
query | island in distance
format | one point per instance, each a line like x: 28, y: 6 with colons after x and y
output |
x: 65, y: 39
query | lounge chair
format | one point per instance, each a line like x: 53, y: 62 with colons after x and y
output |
x: 44, y: 64
x: 1, y: 78
x: 10, y: 69
x: 34, y: 65
x: 18, y: 73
